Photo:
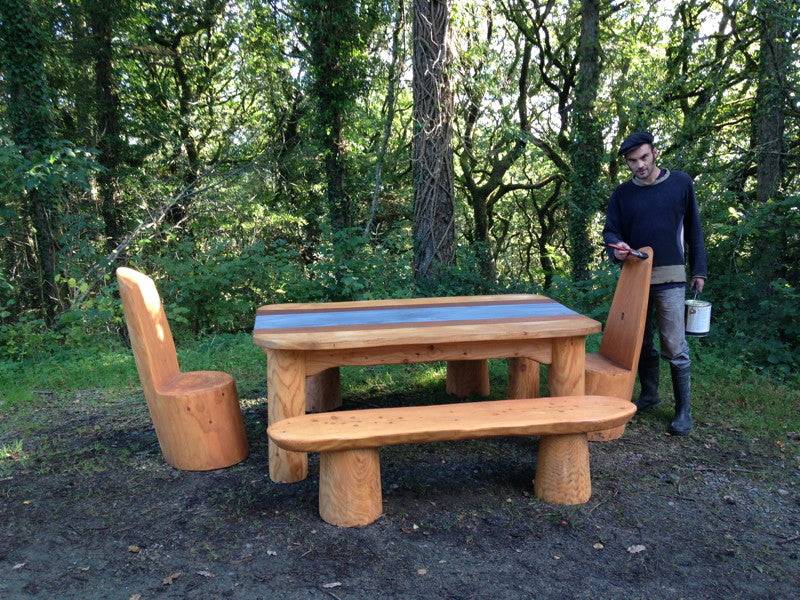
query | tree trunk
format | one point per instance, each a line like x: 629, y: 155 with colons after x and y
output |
x: 769, y: 116
x: 586, y: 149
x: 432, y: 161
x: 30, y: 120
x: 108, y: 124
x: 334, y: 149
x: 391, y: 94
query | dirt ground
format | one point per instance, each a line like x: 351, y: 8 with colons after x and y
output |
x: 90, y: 510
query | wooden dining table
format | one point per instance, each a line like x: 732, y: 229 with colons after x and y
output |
x: 304, y: 341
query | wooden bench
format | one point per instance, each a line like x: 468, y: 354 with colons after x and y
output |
x: 349, y: 444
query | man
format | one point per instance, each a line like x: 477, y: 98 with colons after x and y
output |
x: 657, y: 208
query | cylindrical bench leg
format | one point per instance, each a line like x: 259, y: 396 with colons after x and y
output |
x: 350, y: 487
x: 562, y: 469
x: 523, y: 378
x: 467, y: 378
x: 323, y: 393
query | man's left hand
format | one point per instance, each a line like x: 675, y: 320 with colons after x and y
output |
x: 698, y: 283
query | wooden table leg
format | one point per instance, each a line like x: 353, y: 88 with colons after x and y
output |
x: 323, y: 393
x: 523, y: 378
x: 286, y: 397
x: 567, y: 368
x: 467, y: 378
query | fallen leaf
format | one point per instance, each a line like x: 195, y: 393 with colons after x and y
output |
x: 332, y: 584
x: 134, y: 548
x: 598, y: 546
x: 206, y: 573
x: 171, y: 577
x: 636, y: 548
x: 26, y: 501
x: 18, y: 566
x: 415, y: 526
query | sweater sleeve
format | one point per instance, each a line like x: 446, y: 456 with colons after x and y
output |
x: 612, y: 230
x: 693, y: 235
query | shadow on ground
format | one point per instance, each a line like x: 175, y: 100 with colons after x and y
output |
x: 90, y: 510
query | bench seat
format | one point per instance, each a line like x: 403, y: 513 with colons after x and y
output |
x: 349, y: 443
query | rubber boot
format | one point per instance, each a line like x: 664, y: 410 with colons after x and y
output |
x: 682, y: 388
x: 648, y: 378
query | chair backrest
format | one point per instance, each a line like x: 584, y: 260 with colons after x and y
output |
x: 151, y: 338
x: 624, y: 329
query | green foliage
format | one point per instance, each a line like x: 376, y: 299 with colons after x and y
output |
x: 253, y: 88
x: 58, y: 164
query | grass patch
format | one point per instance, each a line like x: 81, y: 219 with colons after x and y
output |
x: 112, y: 367
x: 726, y: 391
x: 10, y: 455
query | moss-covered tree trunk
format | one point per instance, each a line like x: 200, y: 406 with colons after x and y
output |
x: 433, y: 230
x: 586, y: 149
x: 769, y: 121
x: 109, y: 143
x: 22, y: 48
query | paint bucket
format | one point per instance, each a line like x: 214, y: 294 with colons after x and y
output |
x: 698, y: 317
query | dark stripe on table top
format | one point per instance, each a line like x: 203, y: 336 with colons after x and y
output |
x: 410, y: 316
x: 375, y: 327
x: 395, y: 305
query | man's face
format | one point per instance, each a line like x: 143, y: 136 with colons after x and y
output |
x: 642, y: 161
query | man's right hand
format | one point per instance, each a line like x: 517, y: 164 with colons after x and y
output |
x: 621, y: 250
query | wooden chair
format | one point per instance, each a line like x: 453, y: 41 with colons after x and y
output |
x: 196, y: 415
x: 612, y: 370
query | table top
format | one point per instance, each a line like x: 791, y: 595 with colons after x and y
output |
x: 372, y: 323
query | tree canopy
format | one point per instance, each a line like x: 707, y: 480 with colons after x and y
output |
x: 245, y: 152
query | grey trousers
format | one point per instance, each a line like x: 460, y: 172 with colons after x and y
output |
x: 666, y: 309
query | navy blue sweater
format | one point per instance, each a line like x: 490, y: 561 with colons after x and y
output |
x: 663, y: 216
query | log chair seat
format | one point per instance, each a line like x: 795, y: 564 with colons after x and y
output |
x: 349, y: 444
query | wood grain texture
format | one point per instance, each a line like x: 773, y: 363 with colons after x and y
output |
x: 323, y: 391
x: 430, y: 333
x: 350, y: 487
x: 612, y: 371
x: 198, y: 421
x: 319, y: 360
x: 523, y: 378
x: 377, y: 427
x: 562, y: 469
x: 436, y: 334
x: 467, y: 378
x: 196, y: 415
x: 566, y: 374
x: 286, y: 397
x: 624, y: 327
x: 150, y: 335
